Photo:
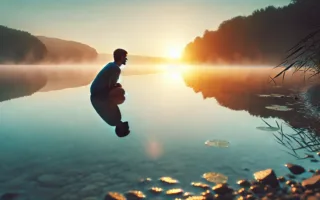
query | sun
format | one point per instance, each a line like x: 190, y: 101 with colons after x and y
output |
x: 174, y: 53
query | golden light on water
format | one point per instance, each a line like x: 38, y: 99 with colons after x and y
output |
x: 154, y: 149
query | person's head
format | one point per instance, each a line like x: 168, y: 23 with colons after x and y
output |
x: 122, y: 129
x: 120, y: 56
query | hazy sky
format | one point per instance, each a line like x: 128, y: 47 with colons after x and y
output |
x: 144, y: 27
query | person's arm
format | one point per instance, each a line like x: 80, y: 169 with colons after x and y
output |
x: 114, y: 77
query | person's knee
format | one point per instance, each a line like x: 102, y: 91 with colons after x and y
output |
x: 118, y: 91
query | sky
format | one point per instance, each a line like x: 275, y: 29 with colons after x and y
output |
x: 142, y: 27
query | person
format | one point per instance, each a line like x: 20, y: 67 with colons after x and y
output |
x: 107, y: 79
x: 107, y: 93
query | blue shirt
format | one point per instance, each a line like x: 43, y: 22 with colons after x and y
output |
x: 106, y: 79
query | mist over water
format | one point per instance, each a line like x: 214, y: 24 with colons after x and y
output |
x: 55, y: 146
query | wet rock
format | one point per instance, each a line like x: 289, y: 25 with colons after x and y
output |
x: 318, y: 153
x: 296, y: 190
x: 312, y: 183
x: 168, y: 180
x: 196, y: 198
x: 114, y: 196
x: 135, y: 195
x: 281, y: 179
x: 243, y: 192
x: 207, y: 194
x: 200, y: 185
x: 295, y: 169
x: 187, y: 194
x: 269, y: 189
x: 222, y: 189
x: 244, y: 183
x: 250, y: 197
x: 267, y: 177
x: 290, y: 182
x: 50, y: 180
x: 311, y: 171
x: 175, y: 191
x: 257, y: 189
x: 317, y: 171
x: 156, y: 190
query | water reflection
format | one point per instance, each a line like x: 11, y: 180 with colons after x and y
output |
x: 17, y: 82
x: 249, y: 89
x: 108, y: 110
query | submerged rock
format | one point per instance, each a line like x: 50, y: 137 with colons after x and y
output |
x: 135, y: 194
x: 114, y: 196
x: 200, y: 185
x: 295, y: 169
x: 168, y: 180
x: 217, y: 143
x: 156, y: 190
x: 267, y: 177
x: 175, y: 191
x: 215, y: 177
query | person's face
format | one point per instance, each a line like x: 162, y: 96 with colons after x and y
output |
x: 124, y: 60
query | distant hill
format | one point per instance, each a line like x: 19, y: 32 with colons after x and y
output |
x: 63, y: 51
x: 20, y: 47
x: 261, y: 38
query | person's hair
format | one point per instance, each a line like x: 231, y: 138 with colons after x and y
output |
x: 118, y: 54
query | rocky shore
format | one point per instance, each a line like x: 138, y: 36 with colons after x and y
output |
x: 298, y: 184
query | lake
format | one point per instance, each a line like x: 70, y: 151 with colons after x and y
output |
x: 54, y: 145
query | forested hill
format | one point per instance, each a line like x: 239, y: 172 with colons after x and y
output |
x: 261, y: 38
x: 20, y: 47
x: 63, y: 51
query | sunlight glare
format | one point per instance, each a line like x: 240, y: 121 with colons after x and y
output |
x: 174, y: 53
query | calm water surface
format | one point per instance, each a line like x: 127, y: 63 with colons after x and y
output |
x: 55, y: 146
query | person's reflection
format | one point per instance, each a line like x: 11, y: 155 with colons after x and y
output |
x: 108, y: 110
